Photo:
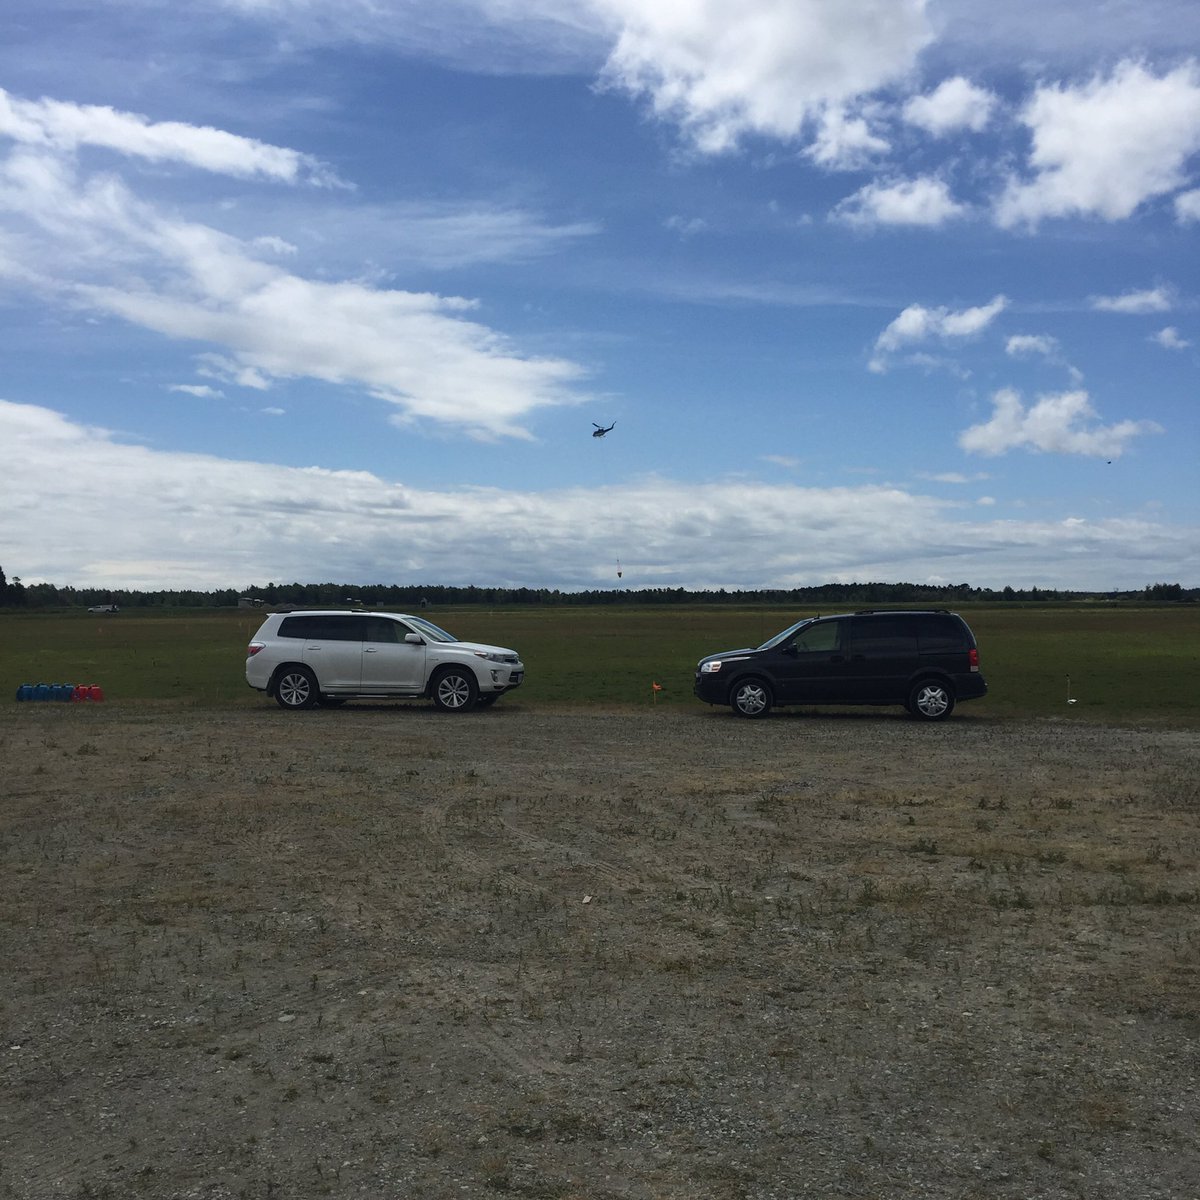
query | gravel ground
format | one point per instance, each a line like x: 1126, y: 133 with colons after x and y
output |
x: 377, y: 952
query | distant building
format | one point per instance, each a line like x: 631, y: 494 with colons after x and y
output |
x: 249, y: 602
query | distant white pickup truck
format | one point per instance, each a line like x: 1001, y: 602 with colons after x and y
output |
x: 103, y: 608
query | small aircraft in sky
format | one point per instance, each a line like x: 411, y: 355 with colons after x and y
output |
x: 601, y: 430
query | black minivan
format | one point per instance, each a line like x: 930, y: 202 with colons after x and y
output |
x: 925, y: 660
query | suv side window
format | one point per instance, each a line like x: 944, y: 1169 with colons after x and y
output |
x: 295, y: 627
x: 380, y: 629
x: 326, y: 628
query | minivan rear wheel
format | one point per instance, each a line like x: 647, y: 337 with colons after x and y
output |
x: 931, y: 700
x: 751, y: 698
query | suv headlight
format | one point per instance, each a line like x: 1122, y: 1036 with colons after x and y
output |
x: 492, y: 657
x: 711, y: 668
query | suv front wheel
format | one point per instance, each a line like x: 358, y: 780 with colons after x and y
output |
x: 931, y: 700
x: 454, y: 690
x: 751, y: 698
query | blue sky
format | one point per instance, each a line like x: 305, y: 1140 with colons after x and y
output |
x: 873, y: 289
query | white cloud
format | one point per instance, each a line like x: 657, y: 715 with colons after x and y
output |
x: 217, y: 366
x: 1169, y: 339
x: 193, y: 520
x: 414, y: 350
x: 955, y: 104
x: 924, y: 202
x: 65, y: 127
x: 686, y: 226
x: 275, y: 245
x: 200, y: 390
x: 453, y: 235
x: 91, y: 244
x: 1029, y: 345
x: 1151, y: 300
x: 493, y: 36
x: 725, y: 69
x: 952, y: 477
x: 1187, y: 206
x: 1104, y: 148
x: 1062, y: 423
x: 1026, y: 345
x: 845, y: 143
x: 917, y: 324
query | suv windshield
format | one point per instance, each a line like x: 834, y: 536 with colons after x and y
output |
x: 787, y: 634
x: 430, y: 630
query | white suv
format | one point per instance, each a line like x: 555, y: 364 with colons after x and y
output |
x: 326, y: 657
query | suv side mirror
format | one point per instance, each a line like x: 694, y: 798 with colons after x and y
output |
x: 414, y: 639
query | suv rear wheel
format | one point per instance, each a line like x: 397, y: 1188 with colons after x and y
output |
x: 296, y: 687
x: 751, y: 698
x: 931, y: 700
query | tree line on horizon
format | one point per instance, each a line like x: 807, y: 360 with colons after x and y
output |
x: 16, y: 594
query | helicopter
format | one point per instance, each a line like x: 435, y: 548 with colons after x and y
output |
x: 601, y: 430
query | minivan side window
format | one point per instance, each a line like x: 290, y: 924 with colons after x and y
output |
x: 884, y: 636
x: 941, y: 634
x: 822, y: 636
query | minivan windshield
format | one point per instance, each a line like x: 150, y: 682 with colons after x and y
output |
x: 789, y: 633
x: 430, y: 630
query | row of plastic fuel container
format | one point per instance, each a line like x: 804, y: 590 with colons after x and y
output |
x: 60, y: 691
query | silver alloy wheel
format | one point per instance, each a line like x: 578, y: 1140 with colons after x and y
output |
x: 454, y: 691
x: 931, y: 701
x: 296, y: 689
x: 751, y: 699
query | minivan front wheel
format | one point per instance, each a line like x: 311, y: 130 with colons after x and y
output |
x: 750, y: 698
x: 931, y: 700
x: 296, y: 688
x: 454, y: 690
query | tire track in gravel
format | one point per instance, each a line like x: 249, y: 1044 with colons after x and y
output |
x: 560, y: 856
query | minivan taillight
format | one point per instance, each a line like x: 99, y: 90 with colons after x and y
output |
x: 973, y: 658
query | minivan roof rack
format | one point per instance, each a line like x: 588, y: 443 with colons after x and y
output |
x: 859, y: 612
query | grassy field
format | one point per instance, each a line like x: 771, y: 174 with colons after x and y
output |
x: 1126, y: 664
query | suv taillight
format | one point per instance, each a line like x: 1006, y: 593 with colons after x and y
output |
x: 973, y: 658
x: 254, y: 648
